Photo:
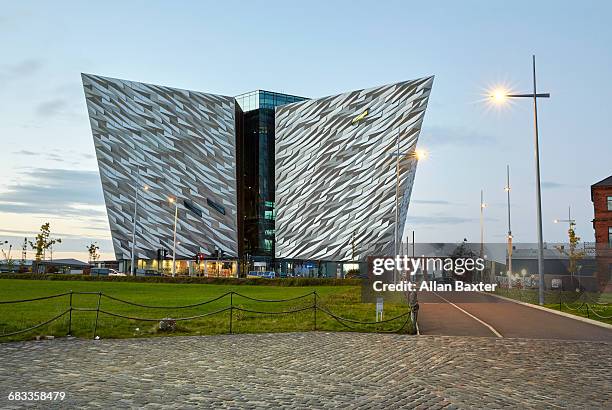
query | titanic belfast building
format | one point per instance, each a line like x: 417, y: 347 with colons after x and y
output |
x: 259, y: 182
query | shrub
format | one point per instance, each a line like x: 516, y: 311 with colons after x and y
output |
x: 190, y: 279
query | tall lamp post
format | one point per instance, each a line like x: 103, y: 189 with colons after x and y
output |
x: 507, y: 189
x: 417, y: 154
x: 500, y: 96
x: 137, y: 189
x: 175, y: 202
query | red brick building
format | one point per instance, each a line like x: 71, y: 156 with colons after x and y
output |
x: 601, y: 195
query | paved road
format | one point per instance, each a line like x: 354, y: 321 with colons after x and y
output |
x: 316, y: 369
x: 478, y: 314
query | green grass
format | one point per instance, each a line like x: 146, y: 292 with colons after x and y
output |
x: 343, y: 301
x: 571, y: 302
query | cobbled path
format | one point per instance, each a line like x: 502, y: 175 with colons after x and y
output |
x: 316, y: 369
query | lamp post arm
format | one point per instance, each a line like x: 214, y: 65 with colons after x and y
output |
x: 532, y: 95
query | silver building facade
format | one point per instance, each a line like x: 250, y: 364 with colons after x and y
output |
x: 345, y: 167
x: 282, y: 177
x: 159, y: 143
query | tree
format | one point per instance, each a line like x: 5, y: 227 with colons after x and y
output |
x: 572, y: 253
x: 8, y: 260
x: 93, y: 249
x: 24, y: 255
x: 463, y: 251
x: 43, y: 242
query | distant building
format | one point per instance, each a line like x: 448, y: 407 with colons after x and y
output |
x: 601, y: 195
x: 71, y: 266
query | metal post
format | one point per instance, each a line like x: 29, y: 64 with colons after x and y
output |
x: 70, y: 317
x: 231, y: 310
x: 538, y: 189
x: 174, y: 244
x: 587, y: 306
x: 509, y: 225
x: 132, y: 267
x: 397, y: 173
x: 315, y: 310
x: 97, y: 315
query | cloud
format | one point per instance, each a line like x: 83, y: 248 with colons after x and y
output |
x: 61, y: 192
x: 51, y: 107
x: 26, y: 152
x: 432, y: 202
x: 70, y: 243
x: 455, y: 136
x: 22, y: 69
x: 554, y: 185
x: 67, y: 156
x: 439, y: 220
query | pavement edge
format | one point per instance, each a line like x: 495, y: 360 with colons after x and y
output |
x: 556, y: 312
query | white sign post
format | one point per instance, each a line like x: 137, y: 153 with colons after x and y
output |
x: 379, y: 309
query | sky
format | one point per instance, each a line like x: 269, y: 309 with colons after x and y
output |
x: 48, y: 170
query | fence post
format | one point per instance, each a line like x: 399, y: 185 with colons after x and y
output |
x: 70, y: 317
x: 231, y: 310
x: 315, y: 309
x: 97, y: 315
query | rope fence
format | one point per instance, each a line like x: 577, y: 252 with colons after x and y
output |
x: 314, y: 306
x: 590, y: 307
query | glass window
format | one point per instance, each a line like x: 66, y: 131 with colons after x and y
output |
x: 610, y: 236
x: 610, y: 203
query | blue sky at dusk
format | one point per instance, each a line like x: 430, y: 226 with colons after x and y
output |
x: 48, y: 168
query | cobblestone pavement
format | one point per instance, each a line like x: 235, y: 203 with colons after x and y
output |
x: 316, y: 369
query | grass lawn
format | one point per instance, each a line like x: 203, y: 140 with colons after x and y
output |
x: 599, y: 305
x: 343, y: 301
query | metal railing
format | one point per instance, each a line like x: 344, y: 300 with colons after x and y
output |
x: 315, y: 306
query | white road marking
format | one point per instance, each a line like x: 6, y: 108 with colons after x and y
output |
x: 491, y: 328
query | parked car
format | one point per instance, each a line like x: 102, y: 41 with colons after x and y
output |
x: 115, y: 273
x: 105, y: 272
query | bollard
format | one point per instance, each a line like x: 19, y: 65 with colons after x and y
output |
x: 70, y: 317
x: 315, y: 309
x: 587, y: 305
x: 97, y: 315
x: 231, y: 311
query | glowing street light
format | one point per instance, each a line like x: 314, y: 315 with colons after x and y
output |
x: 500, y: 96
x: 421, y: 154
x: 572, y: 222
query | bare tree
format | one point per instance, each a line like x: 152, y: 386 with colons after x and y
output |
x: 43, y: 242
x: 93, y: 249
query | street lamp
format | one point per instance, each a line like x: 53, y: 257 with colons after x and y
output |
x: 572, y: 222
x: 137, y: 189
x: 501, y: 96
x: 175, y: 202
x: 507, y: 189
x: 417, y: 154
x: 572, y: 242
x: 483, y: 205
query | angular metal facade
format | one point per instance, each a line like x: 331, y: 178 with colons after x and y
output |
x: 337, y: 171
x: 179, y: 144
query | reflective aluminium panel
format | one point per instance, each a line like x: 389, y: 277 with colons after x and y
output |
x: 337, y: 179
x: 165, y: 142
